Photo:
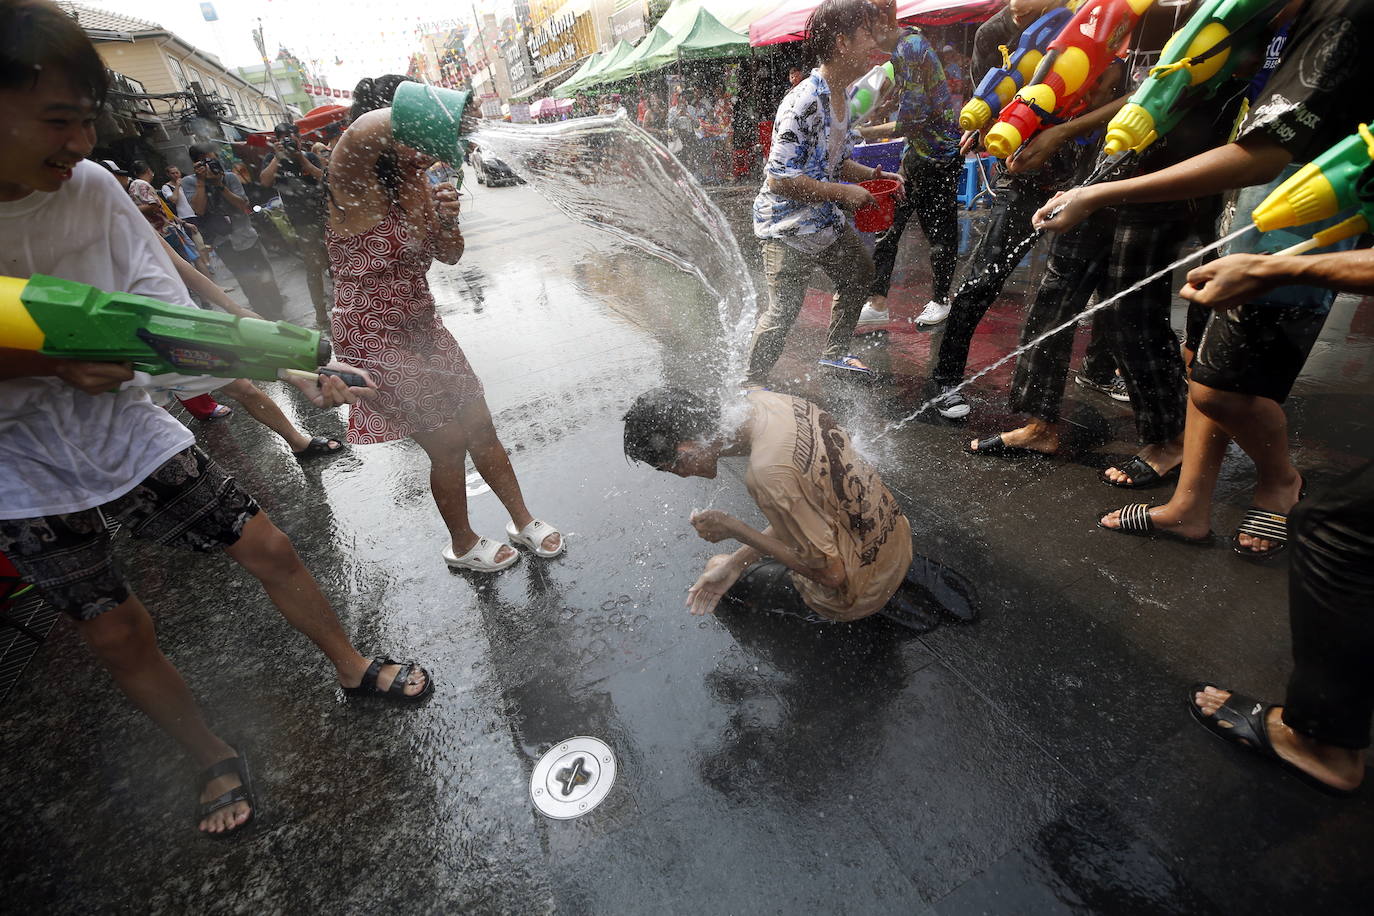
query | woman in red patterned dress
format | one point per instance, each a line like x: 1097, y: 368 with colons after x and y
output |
x: 386, y: 226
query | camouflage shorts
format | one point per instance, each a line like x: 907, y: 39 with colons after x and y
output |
x: 187, y: 502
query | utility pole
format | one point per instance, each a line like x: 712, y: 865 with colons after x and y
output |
x: 486, y: 58
x: 267, y: 65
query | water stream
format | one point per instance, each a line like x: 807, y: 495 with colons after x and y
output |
x: 608, y: 173
x: 611, y: 175
x: 1163, y: 272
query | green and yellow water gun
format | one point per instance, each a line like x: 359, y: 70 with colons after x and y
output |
x: 72, y: 320
x: 1197, y: 61
x: 1340, y: 179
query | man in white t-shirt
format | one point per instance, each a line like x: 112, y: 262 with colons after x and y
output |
x: 77, y: 448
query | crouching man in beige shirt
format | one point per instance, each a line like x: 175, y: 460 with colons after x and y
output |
x: 837, y: 546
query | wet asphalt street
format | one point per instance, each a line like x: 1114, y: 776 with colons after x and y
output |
x: 1038, y: 761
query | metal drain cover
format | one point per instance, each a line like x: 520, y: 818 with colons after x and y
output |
x: 573, y: 777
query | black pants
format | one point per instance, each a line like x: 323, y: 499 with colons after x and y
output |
x: 929, y: 591
x: 1331, y: 613
x: 254, y: 273
x: 1077, y: 267
x: 932, y: 187
x: 310, y: 236
x: 1137, y: 327
x: 1008, y: 224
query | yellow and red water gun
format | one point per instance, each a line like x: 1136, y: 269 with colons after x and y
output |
x: 1097, y: 34
x: 1000, y: 84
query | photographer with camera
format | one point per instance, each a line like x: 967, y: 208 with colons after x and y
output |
x: 297, y: 177
x: 222, y: 208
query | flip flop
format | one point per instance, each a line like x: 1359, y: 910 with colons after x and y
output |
x: 532, y: 536
x: 1136, y: 521
x: 1248, y: 727
x: 994, y: 446
x: 1267, y: 524
x: 396, y: 693
x: 1142, y: 475
x: 848, y: 364
x: 243, y: 792
x: 481, y: 558
x: 318, y: 447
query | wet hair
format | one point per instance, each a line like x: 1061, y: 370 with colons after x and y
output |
x: 661, y: 419
x: 836, y: 19
x: 198, y: 151
x: 139, y: 167
x: 369, y: 95
x: 36, y: 35
x: 286, y: 127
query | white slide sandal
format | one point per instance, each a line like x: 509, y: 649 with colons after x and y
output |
x: 481, y: 558
x: 532, y: 538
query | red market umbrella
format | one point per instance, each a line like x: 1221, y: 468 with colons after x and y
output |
x: 788, y: 22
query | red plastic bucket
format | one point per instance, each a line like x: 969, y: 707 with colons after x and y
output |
x: 877, y: 217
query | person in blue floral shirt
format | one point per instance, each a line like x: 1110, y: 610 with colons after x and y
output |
x: 927, y: 116
x: 801, y: 214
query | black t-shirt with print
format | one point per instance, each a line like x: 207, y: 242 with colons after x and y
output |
x: 1319, y: 94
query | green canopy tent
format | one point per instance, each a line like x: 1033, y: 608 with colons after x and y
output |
x: 628, y: 67
x: 592, y: 76
x: 701, y: 37
x: 588, y: 65
x: 704, y: 38
x: 737, y: 15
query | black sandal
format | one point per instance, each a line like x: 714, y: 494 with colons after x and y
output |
x: 1136, y: 521
x: 397, y: 691
x: 243, y: 792
x: 993, y: 445
x: 319, y: 446
x: 1141, y: 475
x: 1247, y: 726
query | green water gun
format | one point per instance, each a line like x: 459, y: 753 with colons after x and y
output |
x: 868, y: 90
x: 1340, y: 179
x: 1197, y: 61
x: 72, y: 320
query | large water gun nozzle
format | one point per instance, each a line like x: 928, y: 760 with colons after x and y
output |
x: 1002, y: 140
x: 975, y: 114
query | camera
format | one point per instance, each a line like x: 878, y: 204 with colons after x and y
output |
x: 214, y: 166
x: 289, y: 143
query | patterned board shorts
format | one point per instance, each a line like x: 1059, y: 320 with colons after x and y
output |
x: 187, y: 502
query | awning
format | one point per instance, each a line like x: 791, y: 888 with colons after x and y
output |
x: 701, y: 37
x: 788, y: 23
x: 542, y: 86
x: 612, y: 58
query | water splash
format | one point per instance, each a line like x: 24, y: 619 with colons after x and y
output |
x: 1163, y: 272
x: 607, y: 173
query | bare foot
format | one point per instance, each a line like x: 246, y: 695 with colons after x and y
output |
x: 1164, y: 518
x: 229, y: 817
x: 1281, y: 497
x: 1033, y: 436
x: 1162, y: 458
x: 1338, y: 767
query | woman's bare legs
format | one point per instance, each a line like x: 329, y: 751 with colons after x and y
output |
x: 448, y: 447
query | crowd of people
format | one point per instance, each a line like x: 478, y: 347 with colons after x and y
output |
x: 1248, y: 334
x: 80, y: 445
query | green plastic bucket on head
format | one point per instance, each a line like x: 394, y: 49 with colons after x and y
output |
x: 429, y: 119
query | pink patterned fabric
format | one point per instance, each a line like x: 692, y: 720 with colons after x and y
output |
x: 384, y: 321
